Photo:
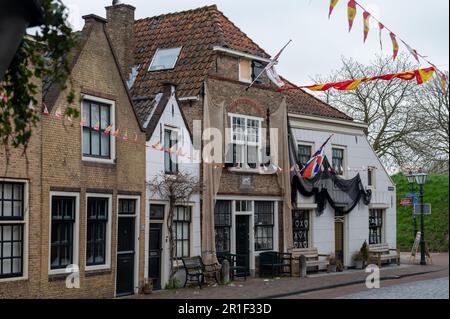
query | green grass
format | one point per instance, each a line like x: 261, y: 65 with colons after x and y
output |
x: 436, y: 225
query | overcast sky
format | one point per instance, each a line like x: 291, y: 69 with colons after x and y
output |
x: 318, y: 43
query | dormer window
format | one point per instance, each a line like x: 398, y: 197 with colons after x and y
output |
x: 165, y: 59
x: 249, y: 70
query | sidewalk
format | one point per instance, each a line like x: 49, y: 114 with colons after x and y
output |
x: 258, y: 288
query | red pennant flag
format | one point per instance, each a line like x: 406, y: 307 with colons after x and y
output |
x: 45, y: 112
x: 444, y: 82
x: 351, y: 12
x: 394, y: 44
x: 333, y: 3
x: 381, y: 26
x: 366, y: 16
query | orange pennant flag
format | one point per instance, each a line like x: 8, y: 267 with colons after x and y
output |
x: 333, y: 3
x: 424, y: 75
x: 108, y: 129
x: 351, y: 12
x: 444, y: 82
x: 366, y: 16
x: 394, y: 44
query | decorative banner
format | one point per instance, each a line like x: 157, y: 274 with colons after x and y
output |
x: 421, y: 76
x: 366, y: 16
x: 351, y: 12
x: 381, y: 26
x: 395, y: 46
x: 412, y: 51
x: 333, y: 3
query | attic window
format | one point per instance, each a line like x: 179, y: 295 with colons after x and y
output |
x: 164, y: 59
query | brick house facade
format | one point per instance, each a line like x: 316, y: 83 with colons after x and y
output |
x: 85, y: 188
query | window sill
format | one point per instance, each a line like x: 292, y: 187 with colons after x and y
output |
x: 57, y: 276
x: 256, y: 171
x: 92, y: 163
x: 97, y: 268
x: 97, y: 272
x: 13, y: 279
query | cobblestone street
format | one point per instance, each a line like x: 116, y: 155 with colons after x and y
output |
x: 427, y: 289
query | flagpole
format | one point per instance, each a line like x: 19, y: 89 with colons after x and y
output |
x: 268, y: 65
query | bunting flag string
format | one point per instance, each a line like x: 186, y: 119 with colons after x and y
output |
x: 421, y: 76
x: 351, y: 14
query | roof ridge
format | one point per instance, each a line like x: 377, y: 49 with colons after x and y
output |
x: 206, y: 8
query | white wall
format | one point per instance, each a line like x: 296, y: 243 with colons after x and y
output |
x: 360, y: 156
x: 155, y: 166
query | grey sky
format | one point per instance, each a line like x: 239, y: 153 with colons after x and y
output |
x: 318, y: 43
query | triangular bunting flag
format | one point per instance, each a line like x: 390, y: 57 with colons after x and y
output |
x: 366, y: 16
x: 394, y: 44
x: 58, y: 112
x: 381, y: 26
x: 108, y: 129
x: 351, y: 12
x: 333, y: 3
x: 97, y: 126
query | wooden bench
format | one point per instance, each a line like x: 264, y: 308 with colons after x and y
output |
x: 382, y: 252
x: 235, y: 270
x: 275, y: 263
x: 312, y: 257
x: 196, y: 270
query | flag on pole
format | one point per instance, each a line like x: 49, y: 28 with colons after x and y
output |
x: 366, y: 16
x: 314, y: 164
x: 394, y: 44
x: 270, y: 70
x: 381, y: 27
x: 333, y: 4
x: 351, y: 12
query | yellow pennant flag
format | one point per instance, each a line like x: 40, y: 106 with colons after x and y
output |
x: 394, y: 44
x: 351, y: 12
x: 366, y: 16
x: 333, y: 4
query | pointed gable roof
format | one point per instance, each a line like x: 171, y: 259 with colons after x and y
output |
x: 197, y: 32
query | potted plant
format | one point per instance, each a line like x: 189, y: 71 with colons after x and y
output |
x: 147, y: 289
x: 364, y: 251
x: 333, y: 263
x: 358, y: 259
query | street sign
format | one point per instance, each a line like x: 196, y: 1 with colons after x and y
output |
x: 412, y: 195
x: 406, y: 202
x: 426, y: 209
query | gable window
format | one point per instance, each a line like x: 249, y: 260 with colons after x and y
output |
x: 181, y: 229
x: 257, y: 68
x: 249, y: 70
x: 97, y: 234
x: 246, y: 141
x: 12, y: 228
x: 301, y: 228
x: 264, y: 223
x: 165, y: 59
x: 371, y: 171
x: 170, y: 147
x: 375, y: 226
x: 97, y: 117
x: 338, y: 161
x: 63, y: 231
x: 304, y: 154
x: 222, y: 221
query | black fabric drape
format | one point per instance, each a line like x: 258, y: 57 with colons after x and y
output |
x: 343, y: 195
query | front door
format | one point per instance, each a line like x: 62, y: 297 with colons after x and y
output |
x: 243, y: 241
x: 339, y: 239
x: 126, y: 236
x: 155, y: 249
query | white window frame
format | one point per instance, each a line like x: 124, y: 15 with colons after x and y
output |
x: 25, y: 222
x: 156, y: 54
x: 137, y: 238
x: 345, y: 162
x: 112, y: 146
x: 373, y: 171
x: 178, y: 145
x: 246, y: 143
x: 76, y: 232
x: 107, y: 264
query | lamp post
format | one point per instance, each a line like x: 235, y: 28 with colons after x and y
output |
x: 411, y: 180
x: 421, y: 179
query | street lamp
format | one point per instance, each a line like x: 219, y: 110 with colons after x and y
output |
x: 411, y: 180
x: 421, y: 179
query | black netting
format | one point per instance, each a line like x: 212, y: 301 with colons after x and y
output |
x: 343, y: 195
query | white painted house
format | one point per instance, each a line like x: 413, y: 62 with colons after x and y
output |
x: 350, y: 153
x: 167, y: 129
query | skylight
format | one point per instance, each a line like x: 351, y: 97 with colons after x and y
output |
x: 164, y: 59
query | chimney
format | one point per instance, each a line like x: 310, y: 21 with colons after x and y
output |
x: 120, y: 28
